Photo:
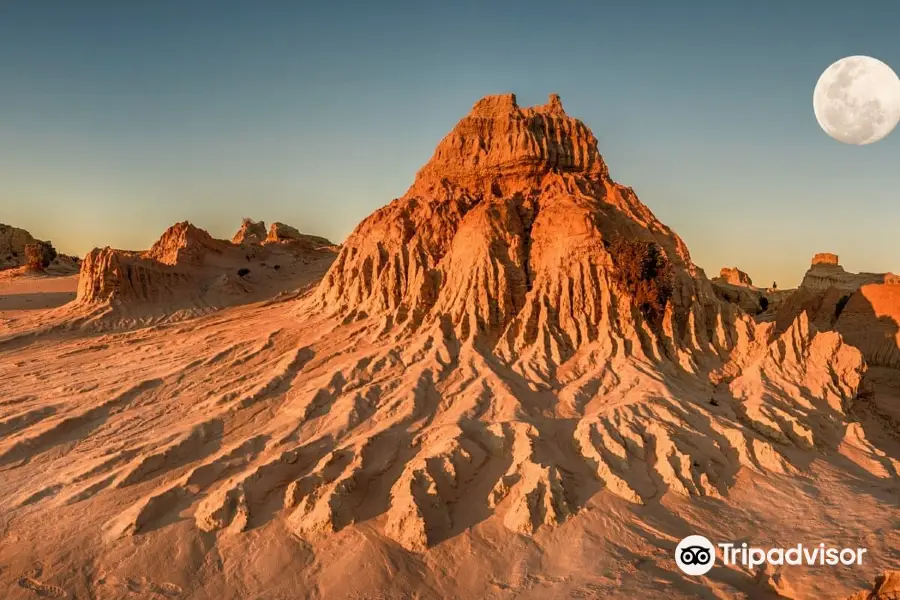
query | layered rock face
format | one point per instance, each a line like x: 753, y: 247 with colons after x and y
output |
x: 279, y: 232
x: 825, y: 258
x: 109, y: 275
x: 510, y: 233
x: 184, y: 244
x: 500, y: 149
x: 826, y: 272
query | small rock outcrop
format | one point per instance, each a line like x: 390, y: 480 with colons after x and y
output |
x: 280, y: 233
x: 12, y: 246
x: 23, y: 254
x: 183, y: 243
x: 735, y: 287
x: 39, y: 255
x: 825, y: 258
x: 251, y: 232
x: 734, y: 276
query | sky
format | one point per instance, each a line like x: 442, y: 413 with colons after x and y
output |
x: 118, y: 119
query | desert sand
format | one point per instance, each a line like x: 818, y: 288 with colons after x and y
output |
x: 510, y: 382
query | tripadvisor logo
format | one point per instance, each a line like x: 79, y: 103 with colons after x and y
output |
x: 696, y: 555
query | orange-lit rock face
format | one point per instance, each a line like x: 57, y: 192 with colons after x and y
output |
x: 825, y: 258
x: 108, y: 274
x: 251, y: 232
x: 870, y: 320
x: 507, y: 232
x: 116, y: 275
x: 183, y: 243
x: 734, y: 276
x: 186, y: 268
x: 499, y: 149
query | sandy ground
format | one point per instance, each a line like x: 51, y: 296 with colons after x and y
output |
x: 159, y: 463
x: 34, y: 292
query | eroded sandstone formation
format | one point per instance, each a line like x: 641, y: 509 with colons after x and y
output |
x: 12, y: 246
x: 187, y: 269
x: 23, y: 254
x: 825, y: 258
x: 280, y: 233
x: 870, y: 320
x: 509, y: 233
x: 873, y: 319
x: 109, y: 275
x: 826, y: 272
x: 251, y: 232
x: 734, y: 276
x: 513, y: 335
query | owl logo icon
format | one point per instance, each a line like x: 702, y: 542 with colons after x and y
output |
x: 695, y: 555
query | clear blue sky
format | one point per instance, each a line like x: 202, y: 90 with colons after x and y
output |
x: 119, y: 118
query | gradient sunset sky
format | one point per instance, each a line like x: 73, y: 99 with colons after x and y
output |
x: 118, y: 119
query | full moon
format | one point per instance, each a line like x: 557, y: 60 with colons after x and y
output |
x: 857, y: 100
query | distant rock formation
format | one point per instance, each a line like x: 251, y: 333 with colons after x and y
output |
x: 826, y: 272
x: 23, y: 254
x: 873, y: 319
x: 251, y: 232
x: 186, y: 269
x: 117, y: 276
x: 735, y: 286
x: 184, y: 244
x: 751, y: 300
x: 825, y: 258
x: 12, y: 246
x: 279, y: 232
x: 734, y: 276
x: 109, y: 275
